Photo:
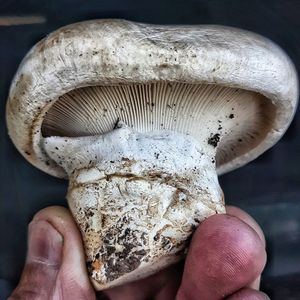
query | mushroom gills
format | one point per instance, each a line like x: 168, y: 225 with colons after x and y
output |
x: 236, y: 120
x: 141, y: 161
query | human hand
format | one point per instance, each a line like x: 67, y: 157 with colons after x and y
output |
x: 224, y: 261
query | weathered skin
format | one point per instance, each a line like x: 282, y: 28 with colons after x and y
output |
x: 137, y: 205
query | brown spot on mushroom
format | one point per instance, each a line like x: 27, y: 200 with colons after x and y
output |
x: 103, y: 220
x: 97, y: 265
x: 214, y: 140
x: 156, y: 237
x: 89, y: 213
x: 164, y: 66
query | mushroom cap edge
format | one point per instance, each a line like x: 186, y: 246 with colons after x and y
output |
x: 224, y: 56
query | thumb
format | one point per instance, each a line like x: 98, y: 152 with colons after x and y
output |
x: 43, y: 262
x: 55, y: 264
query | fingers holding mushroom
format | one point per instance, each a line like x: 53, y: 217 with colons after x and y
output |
x: 55, y: 266
x: 232, y: 236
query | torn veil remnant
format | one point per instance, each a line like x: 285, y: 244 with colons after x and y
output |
x: 141, y: 118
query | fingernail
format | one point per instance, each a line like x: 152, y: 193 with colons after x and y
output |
x: 44, y: 244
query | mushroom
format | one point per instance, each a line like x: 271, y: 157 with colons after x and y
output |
x: 141, y: 118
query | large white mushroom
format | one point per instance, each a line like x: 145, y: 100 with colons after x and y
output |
x: 140, y: 119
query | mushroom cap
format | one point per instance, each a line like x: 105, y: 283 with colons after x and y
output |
x: 116, y: 52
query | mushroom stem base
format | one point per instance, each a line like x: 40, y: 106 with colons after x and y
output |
x: 139, y: 202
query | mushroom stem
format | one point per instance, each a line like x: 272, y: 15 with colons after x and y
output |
x: 137, y: 197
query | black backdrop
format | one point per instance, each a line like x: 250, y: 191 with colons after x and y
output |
x: 268, y: 188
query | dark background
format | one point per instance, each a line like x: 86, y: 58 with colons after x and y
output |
x: 268, y: 188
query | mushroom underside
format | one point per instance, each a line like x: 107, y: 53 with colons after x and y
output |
x: 141, y: 161
x: 232, y: 120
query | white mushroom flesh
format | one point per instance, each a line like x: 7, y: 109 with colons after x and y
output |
x: 141, y: 161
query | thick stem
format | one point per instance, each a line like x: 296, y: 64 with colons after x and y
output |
x: 137, y: 198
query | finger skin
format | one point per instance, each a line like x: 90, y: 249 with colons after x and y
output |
x: 165, y: 282
x: 248, y: 294
x: 42, y: 262
x: 242, y: 215
x: 169, y: 291
x: 225, y: 255
x: 70, y: 280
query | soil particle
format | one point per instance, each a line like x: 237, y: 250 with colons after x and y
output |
x: 214, y: 140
